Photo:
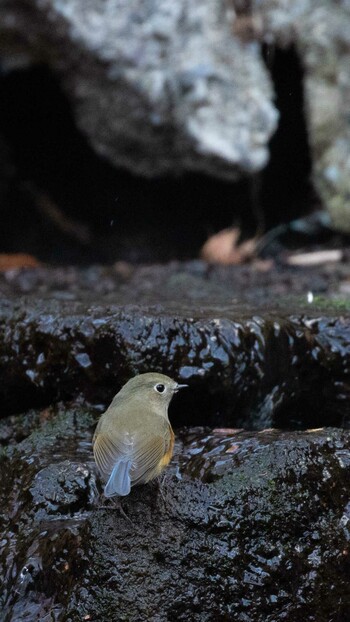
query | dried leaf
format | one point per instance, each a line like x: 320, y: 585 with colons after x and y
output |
x: 223, y: 248
x: 16, y: 261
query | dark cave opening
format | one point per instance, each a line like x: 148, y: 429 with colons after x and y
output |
x: 286, y: 190
x: 64, y: 204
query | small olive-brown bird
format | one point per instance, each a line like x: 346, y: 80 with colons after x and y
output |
x: 134, y: 440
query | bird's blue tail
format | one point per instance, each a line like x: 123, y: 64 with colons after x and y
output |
x: 119, y: 482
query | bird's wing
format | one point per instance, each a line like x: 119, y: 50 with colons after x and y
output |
x: 147, y: 453
x: 147, y: 459
x: 108, y: 452
x: 152, y: 454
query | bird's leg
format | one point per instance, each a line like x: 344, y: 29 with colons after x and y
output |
x: 159, y: 482
x: 101, y: 502
x: 113, y: 503
x: 117, y: 505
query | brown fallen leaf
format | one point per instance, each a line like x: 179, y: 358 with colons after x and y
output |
x: 15, y: 261
x: 224, y: 248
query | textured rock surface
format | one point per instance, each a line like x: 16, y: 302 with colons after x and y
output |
x: 158, y: 87
x: 246, y: 363
x: 250, y: 527
x: 321, y: 32
x: 170, y: 87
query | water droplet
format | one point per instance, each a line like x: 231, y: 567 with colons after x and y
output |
x: 83, y: 359
x: 31, y: 374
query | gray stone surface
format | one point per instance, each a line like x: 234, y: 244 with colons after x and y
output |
x: 158, y: 87
x: 164, y: 87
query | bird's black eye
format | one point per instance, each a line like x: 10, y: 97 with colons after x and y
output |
x: 160, y: 388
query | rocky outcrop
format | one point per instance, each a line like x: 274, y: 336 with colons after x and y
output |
x: 166, y: 88
x: 321, y: 33
x: 246, y: 364
x: 244, y: 526
x: 251, y: 526
x: 157, y: 87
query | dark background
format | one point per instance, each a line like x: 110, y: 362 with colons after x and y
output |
x: 63, y: 204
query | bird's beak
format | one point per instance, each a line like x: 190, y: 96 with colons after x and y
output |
x: 180, y: 386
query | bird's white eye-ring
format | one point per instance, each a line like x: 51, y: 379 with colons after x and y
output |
x: 160, y: 388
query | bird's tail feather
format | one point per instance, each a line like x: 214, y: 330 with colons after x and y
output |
x: 119, y: 482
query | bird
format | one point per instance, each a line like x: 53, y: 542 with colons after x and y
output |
x: 134, y: 440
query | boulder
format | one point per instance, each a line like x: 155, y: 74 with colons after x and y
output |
x: 158, y: 88
x: 244, y: 526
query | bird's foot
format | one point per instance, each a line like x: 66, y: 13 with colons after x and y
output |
x: 113, y: 503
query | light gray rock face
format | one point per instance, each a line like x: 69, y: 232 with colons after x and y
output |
x: 159, y: 87
x: 321, y: 32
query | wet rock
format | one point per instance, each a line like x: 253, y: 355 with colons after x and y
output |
x: 47, y: 487
x: 158, y: 88
x: 250, y: 526
x: 246, y: 365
